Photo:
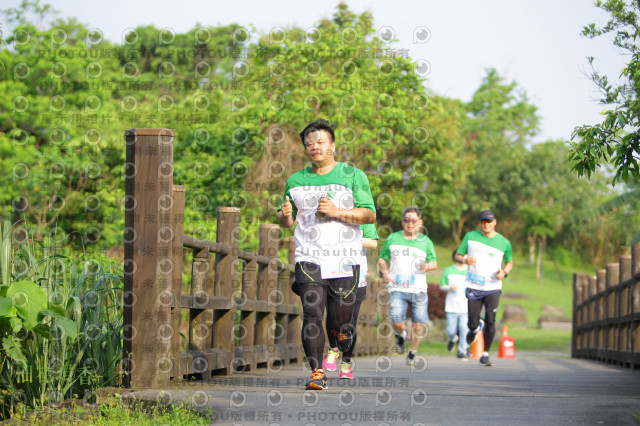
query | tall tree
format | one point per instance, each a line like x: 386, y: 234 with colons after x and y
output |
x: 406, y: 140
x: 617, y: 139
x: 499, y: 121
x: 549, y: 198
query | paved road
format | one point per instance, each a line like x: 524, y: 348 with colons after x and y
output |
x: 530, y: 389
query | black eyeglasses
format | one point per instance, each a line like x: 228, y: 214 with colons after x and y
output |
x: 410, y: 220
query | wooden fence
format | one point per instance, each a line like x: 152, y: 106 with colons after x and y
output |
x: 237, y: 312
x: 606, y: 313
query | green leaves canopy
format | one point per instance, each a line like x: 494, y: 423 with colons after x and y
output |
x: 615, y: 141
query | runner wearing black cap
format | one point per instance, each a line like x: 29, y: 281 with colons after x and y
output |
x: 484, y: 251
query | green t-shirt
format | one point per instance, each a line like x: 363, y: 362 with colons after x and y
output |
x: 328, y: 242
x: 405, y: 257
x: 489, y: 254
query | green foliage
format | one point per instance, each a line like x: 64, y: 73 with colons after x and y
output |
x: 539, y: 221
x: 626, y: 204
x: 387, y: 124
x: 28, y: 300
x: 616, y: 140
x: 115, y: 416
x: 237, y: 100
x: 497, y: 123
x: 60, y: 322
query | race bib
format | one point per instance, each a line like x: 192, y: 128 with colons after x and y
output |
x: 405, y: 280
x: 476, y: 278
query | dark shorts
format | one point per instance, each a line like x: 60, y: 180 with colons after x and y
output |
x: 307, y: 272
x: 479, y: 294
x: 361, y: 294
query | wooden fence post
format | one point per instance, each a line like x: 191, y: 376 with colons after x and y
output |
x: 366, y: 321
x: 635, y: 304
x: 200, y: 320
x: 602, y: 313
x: 369, y: 343
x: 177, y: 216
x: 294, y: 332
x: 244, y: 352
x: 613, y: 329
x: 267, y: 283
x: 625, y: 307
x: 591, y: 315
x: 148, y: 265
x: 607, y: 320
x: 280, y: 298
x: 582, y: 282
x: 384, y: 330
x: 227, y: 286
x: 577, y: 317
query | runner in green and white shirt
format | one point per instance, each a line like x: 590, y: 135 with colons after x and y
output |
x: 484, y: 251
x: 411, y: 255
x: 330, y: 201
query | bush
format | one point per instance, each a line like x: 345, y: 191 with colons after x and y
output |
x: 60, y: 322
x: 436, y: 301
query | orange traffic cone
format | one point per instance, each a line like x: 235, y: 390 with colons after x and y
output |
x: 507, y: 346
x: 477, y: 347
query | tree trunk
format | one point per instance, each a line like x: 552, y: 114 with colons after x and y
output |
x: 456, y: 230
x: 532, y: 248
x: 542, y: 243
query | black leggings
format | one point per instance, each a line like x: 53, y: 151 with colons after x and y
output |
x: 333, y: 341
x: 340, y: 310
x: 490, y: 303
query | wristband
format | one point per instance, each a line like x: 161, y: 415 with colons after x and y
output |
x: 505, y: 273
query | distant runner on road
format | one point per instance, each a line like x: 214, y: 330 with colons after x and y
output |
x: 411, y: 255
x: 484, y: 251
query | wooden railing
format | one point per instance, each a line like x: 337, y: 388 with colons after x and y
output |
x: 237, y: 312
x: 606, y: 313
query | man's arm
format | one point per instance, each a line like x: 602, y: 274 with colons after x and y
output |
x: 429, y: 266
x: 508, y: 266
x: 358, y: 215
x: 429, y: 263
x: 369, y: 243
x: 285, y: 215
x: 466, y: 259
x: 384, y: 270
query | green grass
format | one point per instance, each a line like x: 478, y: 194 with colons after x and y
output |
x: 526, y: 339
x: 116, y: 415
x: 535, y: 339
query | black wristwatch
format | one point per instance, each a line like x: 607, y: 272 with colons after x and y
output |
x: 505, y: 273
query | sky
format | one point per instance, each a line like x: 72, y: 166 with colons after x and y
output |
x: 536, y: 43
